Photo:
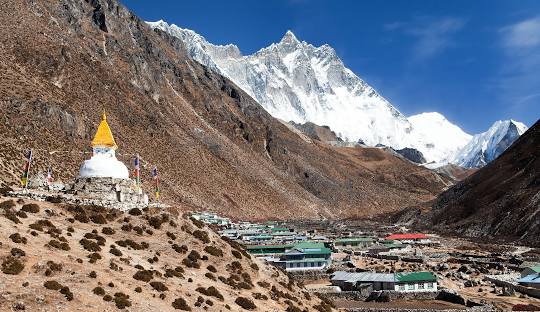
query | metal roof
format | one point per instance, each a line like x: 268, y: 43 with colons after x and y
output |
x: 362, y: 277
x: 415, y: 276
x: 531, y: 279
x: 406, y: 236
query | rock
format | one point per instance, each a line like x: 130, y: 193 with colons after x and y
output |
x: 450, y: 296
x: 412, y: 154
x: 508, y: 291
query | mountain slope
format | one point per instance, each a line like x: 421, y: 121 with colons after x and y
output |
x: 149, y: 261
x: 214, y: 146
x: 486, y: 146
x: 295, y: 81
x: 501, y: 199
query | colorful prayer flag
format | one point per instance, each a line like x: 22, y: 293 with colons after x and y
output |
x: 156, y: 182
x: 137, y: 172
x: 26, y: 169
x: 49, y: 175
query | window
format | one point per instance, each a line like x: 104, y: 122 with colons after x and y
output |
x: 401, y: 287
x: 420, y: 285
x: 410, y: 287
x: 430, y: 285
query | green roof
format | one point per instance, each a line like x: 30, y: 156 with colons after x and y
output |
x: 307, y: 260
x: 416, y: 277
x: 354, y: 239
x: 309, y: 245
x: 535, y: 268
x: 256, y: 247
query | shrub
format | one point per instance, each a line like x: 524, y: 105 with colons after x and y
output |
x: 12, y: 266
x: 18, y: 239
x: 30, y: 208
x: 89, y: 245
x: 236, y: 254
x: 210, y: 291
x: 135, y: 212
x: 138, y: 289
x: 197, y: 223
x: 67, y: 293
x: 94, y: 257
x: 245, y: 303
x: 143, y: 275
x: 99, y: 291
x: 159, y: 286
x: 260, y: 296
x: 179, y: 249
x: 108, y: 231
x: 214, y: 251
x: 59, y: 245
x: 107, y: 298
x: 211, y: 268
x: 99, y: 239
x: 16, y: 252
x: 92, y: 274
x: 53, y: 266
x: 175, y: 273
x: 254, y: 266
x: 115, y: 252
x: 52, y: 285
x: 202, y: 236
x: 132, y: 244
x: 263, y: 284
x: 171, y: 235
x: 7, y: 205
x: 181, y: 304
x: 21, y: 214
x: 121, y: 300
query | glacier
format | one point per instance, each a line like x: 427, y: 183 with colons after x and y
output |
x: 296, y: 81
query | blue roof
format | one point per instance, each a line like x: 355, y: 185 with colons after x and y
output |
x: 530, y: 279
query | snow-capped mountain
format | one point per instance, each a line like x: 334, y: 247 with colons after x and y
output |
x: 487, y: 146
x: 296, y: 81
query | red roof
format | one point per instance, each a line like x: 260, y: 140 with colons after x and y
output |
x: 406, y: 236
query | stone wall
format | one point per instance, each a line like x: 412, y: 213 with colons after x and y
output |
x: 308, y: 275
x: 533, y: 292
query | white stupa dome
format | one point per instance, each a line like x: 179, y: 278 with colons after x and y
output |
x: 103, y: 163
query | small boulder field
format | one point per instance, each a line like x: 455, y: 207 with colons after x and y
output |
x: 60, y: 257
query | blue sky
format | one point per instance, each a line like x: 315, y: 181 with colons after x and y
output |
x: 473, y: 61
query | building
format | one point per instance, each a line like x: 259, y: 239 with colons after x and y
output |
x: 401, y: 282
x: 531, y: 280
x: 409, y: 238
x: 304, y: 256
x: 415, y: 282
x: 530, y: 270
x: 268, y: 250
x: 103, y: 180
x: 358, y: 242
x: 348, y: 281
x: 211, y: 218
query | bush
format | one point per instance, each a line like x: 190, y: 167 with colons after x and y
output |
x: 143, y: 275
x: 12, y: 266
x: 17, y: 238
x: 59, y: 245
x: 16, y: 252
x: 52, y: 285
x: 245, y: 303
x: 214, y: 251
x: 99, y: 291
x: 197, y: 223
x: 132, y: 244
x: 135, y: 212
x: 115, y: 252
x: 159, y: 286
x: 254, y: 266
x: 202, y: 236
x: 107, y: 298
x: 30, y: 208
x: 7, y: 205
x: 92, y: 274
x: 94, y: 257
x: 108, y: 231
x: 89, y: 245
x: 211, y: 268
x: 121, y: 300
x: 67, y: 293
x: 174, y: 273
x: 236, y: 254
x: 179, y: 249
x: 263, y: 284
x: 138, y: 289
x: 171, y: 235
x: 21, y: 214
x: 210, y: 291
x: 181, y: 304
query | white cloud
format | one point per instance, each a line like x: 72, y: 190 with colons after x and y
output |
x: 433, y: 35
x: 525, y: 34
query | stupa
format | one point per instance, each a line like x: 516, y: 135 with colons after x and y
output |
x: 104, y: 180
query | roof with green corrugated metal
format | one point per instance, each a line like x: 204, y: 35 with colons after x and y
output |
x: 416, y: 277
x: 354, y: 239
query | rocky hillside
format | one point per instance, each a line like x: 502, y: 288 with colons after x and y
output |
x: 63, y: 62
x: 70, y: 258
x: 501, y: 200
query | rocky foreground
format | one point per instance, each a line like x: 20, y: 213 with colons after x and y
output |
x: 57, y: 257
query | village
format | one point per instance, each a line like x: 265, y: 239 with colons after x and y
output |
x: 368, y: 265
x: 356, y: 264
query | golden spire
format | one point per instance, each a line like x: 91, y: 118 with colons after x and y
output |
x: 104, y: 135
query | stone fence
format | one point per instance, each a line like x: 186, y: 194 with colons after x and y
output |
x: 308, y: 275
x: 533, y: 292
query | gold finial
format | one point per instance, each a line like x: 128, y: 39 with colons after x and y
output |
x: 104, y: 136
